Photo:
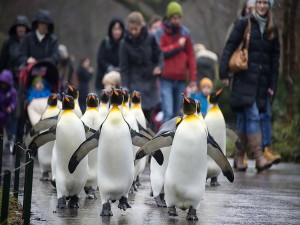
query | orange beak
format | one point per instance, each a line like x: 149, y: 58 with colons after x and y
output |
x: 185, y: 98
x: 67, y: 99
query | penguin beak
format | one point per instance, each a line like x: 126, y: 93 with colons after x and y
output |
x: 115, y: 92
x: 93, y: 97
x: 70, y: 87
x: 67, y: 99
x: 185, y: 98
x: 219, y: 91
x: 54, y: 97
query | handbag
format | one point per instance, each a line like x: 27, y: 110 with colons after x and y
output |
x: 239, y: 59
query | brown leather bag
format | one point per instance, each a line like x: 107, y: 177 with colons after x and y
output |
x: 239, y: 59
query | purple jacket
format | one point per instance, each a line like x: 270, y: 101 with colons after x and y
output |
x: 8, y: 97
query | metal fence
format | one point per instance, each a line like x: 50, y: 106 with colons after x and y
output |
x: 27, y: 187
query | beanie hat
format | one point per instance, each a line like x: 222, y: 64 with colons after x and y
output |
x: 206, y: 82
x: 172, y: 9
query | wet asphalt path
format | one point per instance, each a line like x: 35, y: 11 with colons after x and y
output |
x: 272, y: 197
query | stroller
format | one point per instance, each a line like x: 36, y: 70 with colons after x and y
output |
x: 50, y: 74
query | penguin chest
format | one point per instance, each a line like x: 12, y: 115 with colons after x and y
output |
x: 139, y: 115
x: 92, y: 119
x: 50, y: 112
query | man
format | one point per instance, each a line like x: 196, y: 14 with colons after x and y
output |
x: 179, y: 60
x: 40, y: 43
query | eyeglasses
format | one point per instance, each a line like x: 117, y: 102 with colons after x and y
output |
x: 262, y: 2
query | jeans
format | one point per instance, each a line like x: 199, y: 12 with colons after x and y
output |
x: 171, y: 91
x: 265, y: 125
x: 248, y: 120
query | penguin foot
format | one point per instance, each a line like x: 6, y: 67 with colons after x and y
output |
x: 61, y: 203
x: 45, y: 176
x: 73, y: 203
x: 53, y: 182
x: 192, y: 215
x: 160, y: 202
x: 90, y: 192
x: 123, y: 203
x: 214, y: 182
x: 106, y: 210
x: 172, y: 211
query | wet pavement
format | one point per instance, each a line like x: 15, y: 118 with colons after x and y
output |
x: 272, y: 197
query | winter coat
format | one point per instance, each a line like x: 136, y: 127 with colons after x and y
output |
x: 206, y: 64
x: 108, y: 53
x: 7, y: 97
x: 47, y: 49
x: 138, y: 57
x: 177, y: 59
x: 252, y: 85
x: 203, y: 101
x: 11, y: 46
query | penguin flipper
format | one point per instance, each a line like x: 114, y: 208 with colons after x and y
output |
x: 144, y: 131
x: 44, y: 124
x: 164, y: 140
x: 138, y: 139
x: 169, y: 125
x: 158, y: 156
x: 87, y: 146
x: 149, y: 129
x: 42, y: 139
x: 88, y: 131
x: 218, y: 156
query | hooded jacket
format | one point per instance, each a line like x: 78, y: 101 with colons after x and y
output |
x: 138, y: 57
x: 108, y: 55
x: 11, y: 46
x: 47, y: 49
x: 252, y: 85
x: 177, y: 59
x: 8, y: 97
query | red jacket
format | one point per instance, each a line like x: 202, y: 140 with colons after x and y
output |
x: 179, y: 62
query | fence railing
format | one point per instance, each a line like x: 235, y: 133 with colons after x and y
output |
x: 6, y: 176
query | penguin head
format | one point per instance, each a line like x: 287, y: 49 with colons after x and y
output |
x: 68, y: 102
x: 116, y: 97
x: 214, y: 97
x: 92, y: 100
x: 198, y: 105
x: 126, y: 96
x: 136, y: 97
x: 104, y: 96
x: 52, y: 99
x: 72, y: 91
x: 189, y: 105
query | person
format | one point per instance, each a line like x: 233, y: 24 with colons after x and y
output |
x: 8, y: 97
x: 84, y: 75
x: 205, y: 89
x: 154, y: 23
x: 206, y: 62
x: 39, y: 89
x: 111, y: 79
x: 179, y: 60
x: 40, y: 43
x: 9, y: 61
x: 108, y: 52
x: 252, y: 88
x: 140, y: 63
x: 65, y: 65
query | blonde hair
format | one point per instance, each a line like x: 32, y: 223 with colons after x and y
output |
x: 270, y: 27
x: 112, y: 78
x: 136, y: 18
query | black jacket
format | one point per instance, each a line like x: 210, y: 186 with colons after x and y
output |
x: 252, y: 85
x: 11, y: 46
x: 138, y: 57
x: 108, y: 53
x: 47, y: 49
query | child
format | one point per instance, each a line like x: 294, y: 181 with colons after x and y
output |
x: 8, y: 97
x: 206, y: 87
x: 111, y: 79
x: 39, y: 89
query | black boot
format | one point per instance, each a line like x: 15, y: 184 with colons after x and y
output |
x: 192, y: 215
x: 73, y: 203
x: 106, y: 210
x: 123, y: 203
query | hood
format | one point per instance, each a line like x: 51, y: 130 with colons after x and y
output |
x: 43, y: 16
x: 111, y: 24
x: 7, y: 77
x: 20, y: 20
x: 143, y: 35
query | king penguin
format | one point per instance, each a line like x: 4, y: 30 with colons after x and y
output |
x: 115, y: 160
x: 215, y: 123
x: 73, y: 91
x: 92, y: 119
x: 45, y: 151
x: 70, y: 134
x: 104, y: 101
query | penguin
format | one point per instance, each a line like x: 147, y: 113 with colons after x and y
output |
x: 45, y: 151
x: 92, y: 119
x: 187, y: 160
x: 115, y: 158
x: 70, y: 133
x: 215, y: 123
x: 73, y: 91
x: 104, y: 101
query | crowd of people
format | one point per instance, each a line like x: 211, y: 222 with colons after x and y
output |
x: 159, y: 60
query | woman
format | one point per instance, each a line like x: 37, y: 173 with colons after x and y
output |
x: 252, y: 88
x: 140, y: 62
x: 108, y: 53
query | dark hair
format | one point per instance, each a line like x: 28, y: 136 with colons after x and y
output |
x: 153, y: 20
x: 82, y: 60
x: 136, y: 18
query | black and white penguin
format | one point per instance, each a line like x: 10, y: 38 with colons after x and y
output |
x: 73, y: 91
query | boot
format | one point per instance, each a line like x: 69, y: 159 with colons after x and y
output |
x: 255, y: 146
x: 239, y: 161
x: 272, y: 158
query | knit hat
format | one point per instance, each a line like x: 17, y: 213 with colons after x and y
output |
x: 206, y: 82
x: 172, y: 9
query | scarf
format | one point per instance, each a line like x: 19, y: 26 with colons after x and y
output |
x: 261, y: 22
